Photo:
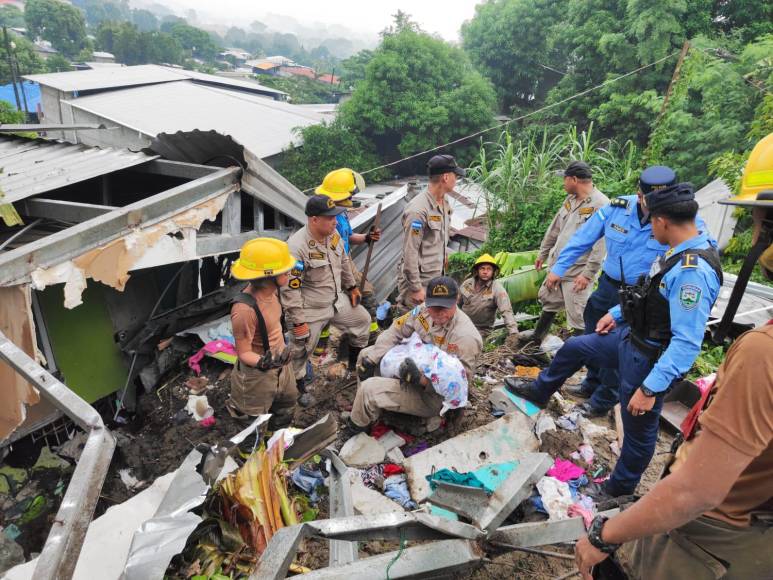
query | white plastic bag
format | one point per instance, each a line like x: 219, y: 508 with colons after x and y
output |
x: 444, y: 370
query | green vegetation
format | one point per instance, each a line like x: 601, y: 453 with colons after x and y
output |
x: 131, y: 46
x: 61, y: 24
x: 301, y: 89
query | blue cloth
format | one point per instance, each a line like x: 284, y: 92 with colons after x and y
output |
x: 396, y: 489
x: 308, y: 480
x: 691, y: 291
x: 344, y: 229
x: 31, y: 92
x: 625, y: 238
x: 601, y: 384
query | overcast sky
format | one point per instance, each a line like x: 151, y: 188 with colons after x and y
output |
x: 443, y: 17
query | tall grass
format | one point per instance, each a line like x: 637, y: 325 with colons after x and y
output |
x: 522, y: 179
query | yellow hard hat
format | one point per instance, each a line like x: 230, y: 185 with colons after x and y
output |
x: 262, y: 258
x: 341, y: 184
x: 757, y: 180
x: 485, y: 259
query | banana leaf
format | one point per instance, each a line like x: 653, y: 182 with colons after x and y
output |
x: 523, y: 284
x: 510, y: 262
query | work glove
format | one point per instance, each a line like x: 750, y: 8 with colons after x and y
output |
x: 365, y: 368
x: 373, y: 235
x: 355, y: 296
x: 409, y: 373
x: 284, y: 357
x: 265, y: 362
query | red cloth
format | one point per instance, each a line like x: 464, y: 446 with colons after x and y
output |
x: 392, y: 469
x: 378, y: 430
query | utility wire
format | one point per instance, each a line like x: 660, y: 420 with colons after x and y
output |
x: 530, y: 114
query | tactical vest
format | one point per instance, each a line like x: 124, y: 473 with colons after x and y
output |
x: 646, y: 309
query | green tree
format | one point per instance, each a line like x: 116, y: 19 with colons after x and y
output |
x: 61, y: 24
x: 509, y: 40
x: 130, y: 46
x: 144, y: 20
x: 11, y: 16
x: 57, y: 63
x: 353, y: 68
x: 9, y: 114
x: 418, y: 92
x: 196, y: 40
x: 28, y: 60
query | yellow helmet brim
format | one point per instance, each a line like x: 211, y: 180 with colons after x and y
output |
x: 240, y: 272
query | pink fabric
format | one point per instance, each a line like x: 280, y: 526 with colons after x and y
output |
x: 704, y: 385
x: 212, y: 347
x: 564, y: 470
x: 576, y: 510
x: 208, y: 422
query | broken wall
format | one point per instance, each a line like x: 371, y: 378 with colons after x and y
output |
x: 17, y: 325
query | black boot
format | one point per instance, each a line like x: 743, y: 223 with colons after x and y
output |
x: 527, y: 390
x: 543, y: 326
x: 354, y: 352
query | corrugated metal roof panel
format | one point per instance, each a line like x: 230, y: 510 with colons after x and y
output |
x: 31, y: 167
x: 112, y: 77
x: 719, y: 218
x: 264, y: 126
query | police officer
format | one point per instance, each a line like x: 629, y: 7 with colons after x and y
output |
x: 340, y: 185
x: 426, y: 226
x: 571, y: 294
x: 322, y: 288
x: 667, y: 314
x: 626, y: 227
x: 438, y: 321
x: 481, y: 296
x: 262, y: 379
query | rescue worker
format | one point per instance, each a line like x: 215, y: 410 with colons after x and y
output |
x: 626, y: 226
x: 426, y: 226
x: 712, y: 516
x: 340, y: 185
x: 322, y: 289
x: 481, y: 297
x: 262, y: 380
x: 438, y: 321
x: 667, y: 314
x: 571, y: 293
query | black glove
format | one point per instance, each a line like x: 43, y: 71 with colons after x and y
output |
x: 410, y: 373
x: 265, y: 362
x: 365, y: 368
x: 284, y: 357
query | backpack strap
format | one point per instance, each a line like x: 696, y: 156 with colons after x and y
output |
x: 249, y: 300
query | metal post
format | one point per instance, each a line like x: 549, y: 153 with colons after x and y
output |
x: 62, y: 548
x: 10, y: 67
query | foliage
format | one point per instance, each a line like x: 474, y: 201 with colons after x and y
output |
x: 418, y: 92
x: 708, y: 361
x: 57, y: 63
x: 11, y: 16
x: 301, y: 89
x: 353, y: 68
x: 97, y: 11
x: 509, y: 41
x: 460, y: 264
x: 523, y: 185
x: 61, y: 24
x: 197, y: 41
x: 327, y: 147
x: 28, y: 60
x: 144, y: 20
x: 130, y: 46
x: 9, y: 114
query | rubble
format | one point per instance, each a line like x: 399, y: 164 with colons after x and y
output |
x: 362, y: 450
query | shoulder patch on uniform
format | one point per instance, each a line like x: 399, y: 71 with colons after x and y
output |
x: 689, y: 296
x: 417, y: 224
x: 316, y: 255
x: 438, y: 340
x: 619, y: 202
x: 295, y: 283
x: 312, y: 243
x: 602, y: 215
x: 620, y: 229
x: 423, y: 322
x: 335, y: 240
x: 567, y: 205
x: 400, y: 321
x: 587, y: 210
x: 689, y: 260
x: 435, y: 218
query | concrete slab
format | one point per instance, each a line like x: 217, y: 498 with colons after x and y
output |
x: 508, y: 438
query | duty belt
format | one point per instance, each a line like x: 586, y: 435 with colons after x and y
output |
x: 651, y: 351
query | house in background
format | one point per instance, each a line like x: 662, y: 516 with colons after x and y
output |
x: 103, y: 57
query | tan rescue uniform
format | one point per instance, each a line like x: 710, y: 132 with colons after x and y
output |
x: 567, y: 221
x: 375, y: 395
x: 426, y: 227
x: 316, y: 295
x: 482, y: 306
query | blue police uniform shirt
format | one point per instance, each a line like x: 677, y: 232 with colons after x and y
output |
x: 625, y: 237
x: 344, y: 229
x: 691, y: 291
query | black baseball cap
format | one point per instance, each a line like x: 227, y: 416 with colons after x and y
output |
x: 656, y: 177
x: 578, y: 169
x: 442, y: 291
x: 322, y: 205
x: 677, y: 193
x: 441, y: 164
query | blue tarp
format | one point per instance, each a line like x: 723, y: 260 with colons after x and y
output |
x: 31, y: 90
